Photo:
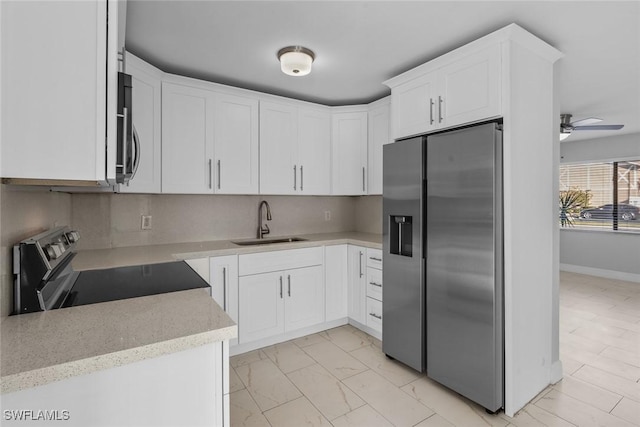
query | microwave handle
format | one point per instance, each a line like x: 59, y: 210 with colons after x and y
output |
x: 136, y: 162
x: 122, y: 161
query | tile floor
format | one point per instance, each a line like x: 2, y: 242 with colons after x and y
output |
x: 340, y: 377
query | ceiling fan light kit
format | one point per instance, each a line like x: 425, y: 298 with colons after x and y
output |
x: 295, y: 60
x: 567, y: 126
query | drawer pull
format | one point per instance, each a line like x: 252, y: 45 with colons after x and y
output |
x: 376, y: 316
x: 376, y: 284
x: 375, y: 259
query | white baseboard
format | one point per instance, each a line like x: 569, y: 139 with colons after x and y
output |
x: 556, y: 371
x: 599, y: 272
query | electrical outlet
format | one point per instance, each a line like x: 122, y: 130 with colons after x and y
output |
x: 327, y: 215
x: 145, y: 223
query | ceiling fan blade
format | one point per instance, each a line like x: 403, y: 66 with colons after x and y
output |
x: 599, y: 127
x: 585, y: 122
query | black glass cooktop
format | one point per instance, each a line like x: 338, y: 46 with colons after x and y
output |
x: 113, y: 284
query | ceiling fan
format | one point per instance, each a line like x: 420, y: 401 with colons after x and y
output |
x: 567, y: 126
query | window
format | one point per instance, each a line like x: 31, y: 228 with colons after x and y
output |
x: 602, y: 196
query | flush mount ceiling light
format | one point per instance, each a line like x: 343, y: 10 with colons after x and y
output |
x: 295, y: 60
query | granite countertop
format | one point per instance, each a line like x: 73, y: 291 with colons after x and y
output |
x: 40, y: 348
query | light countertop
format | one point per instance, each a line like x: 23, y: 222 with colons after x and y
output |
x: 40, y: 348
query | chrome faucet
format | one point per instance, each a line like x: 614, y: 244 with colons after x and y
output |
x: 263, y: 229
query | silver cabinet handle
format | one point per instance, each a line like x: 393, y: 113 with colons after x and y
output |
x: 219, y: 171
x: 361, y: 264
x: 295, y: 177
x: 224, y: 288
x: 363, y: 179
x: 210, y: 173
x: 439, y: 109
x: 301, y: 178
x: 375, y: 284
x: 431, y: 103
x: 375, y: 259
x: 280, y: 287
x: 376, y: 316
x: 289, y: 284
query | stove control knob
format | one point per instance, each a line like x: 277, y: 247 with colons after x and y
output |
x: 73, y: 236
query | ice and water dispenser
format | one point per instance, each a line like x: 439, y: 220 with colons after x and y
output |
x: 400, y: 235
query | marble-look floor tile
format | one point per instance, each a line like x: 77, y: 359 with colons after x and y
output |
x: 346, y: 339
x: 340, y: 363
x: 577, y: 412
x: 235, y: 384
x: 392, y: 370
x: 629, y: 343
x: 632, y: 358
x: 533, y: 416
x: 583, y: 343
x: 310, y: 340
x: 268, y: 386
x: 244, y: 412
x: 364, y: 416
x: 587, y: 393
x: 569, y: 365
x: 609, y: 382
x: 628, y: 410
x: 616, y: 367
x: 246, y: 358
x: 435, y: 420
x: 397, y: 407
x: 326, y: 392
x: 297, y: 413
x: 288, y: 357
x: 450, y: 405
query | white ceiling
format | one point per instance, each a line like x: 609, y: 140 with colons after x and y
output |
x: 359, y: 44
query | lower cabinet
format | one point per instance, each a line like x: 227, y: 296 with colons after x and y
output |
x: 374, y: 290
x: 357, y: 270
x: 279, y: 292
x: 223, y: 278
x: 336, y: 280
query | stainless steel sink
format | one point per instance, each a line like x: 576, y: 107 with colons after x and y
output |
x: 267, y: 241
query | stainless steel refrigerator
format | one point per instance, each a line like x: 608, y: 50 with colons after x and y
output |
x: 442, y: 259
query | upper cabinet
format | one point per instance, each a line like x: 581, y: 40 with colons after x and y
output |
x: 447, y: 92
x: 295, y: 149
x: 209, y: 141
x: 349, y: 151
x: 378, y: 135
x: 146, y: 90
x: 59, y: 86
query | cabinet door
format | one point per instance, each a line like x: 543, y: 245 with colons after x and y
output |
x: 357, y: 283
x: 54, y: 62
x: 349, y: 153
x: 187, y: 139
x: 470, y: 88
x: 236, y: 144
x: 336, y: 282
x: 278, y: 148
x: 413, y: 107
x: 146, y: 121
x: 261, y: 308
x: 378, y: 135
x: 314, y: 151
x: 223, y: 271
x: 304, y: 299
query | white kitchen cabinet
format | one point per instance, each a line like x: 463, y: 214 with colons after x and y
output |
x: 336, y: 282
x: 187, y: 139
x: 223, y: 278
x: 280, y: 291
x: 278, y: 148
x: 235, y: 149
x: 357, y: 270
x: 349, y: 151
x: 314, y: 151
x: 378, y: 135
x: 146, y: 93
x: 374, y: 290
x: 295, y: 147
x: 462, y: 89
x: 209, y: 140
x: 59, y: 91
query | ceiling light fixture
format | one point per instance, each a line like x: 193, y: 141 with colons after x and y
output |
x: 295, y: 60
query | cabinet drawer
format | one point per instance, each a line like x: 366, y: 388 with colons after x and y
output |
x: 265, y: 262
x: 374, y: 283
x: 374, y: 314
x: 374, y: 258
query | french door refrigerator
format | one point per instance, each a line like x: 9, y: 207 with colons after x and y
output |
x: 442, y: 259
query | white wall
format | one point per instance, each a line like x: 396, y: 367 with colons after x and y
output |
x: 601, y: 253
